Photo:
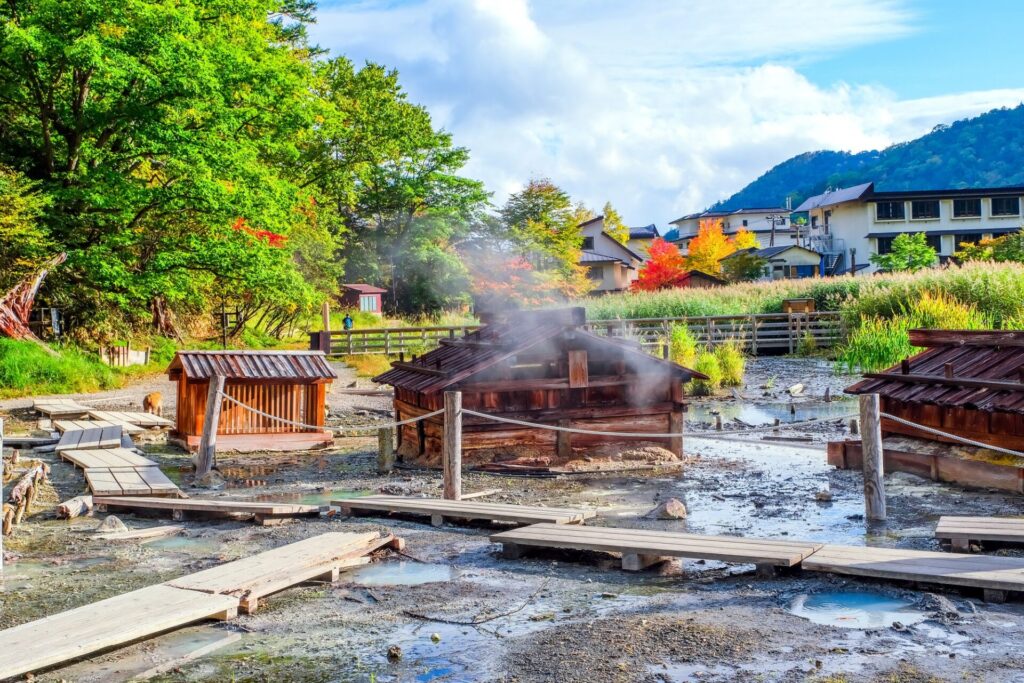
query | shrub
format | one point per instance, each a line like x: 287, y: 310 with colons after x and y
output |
x: 876, y: 344
x: 682, y: 347
x: 731, y: 362
x: 706, y: 363
x: 807, y: 346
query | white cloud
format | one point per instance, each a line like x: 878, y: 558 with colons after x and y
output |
x: 660, y: 107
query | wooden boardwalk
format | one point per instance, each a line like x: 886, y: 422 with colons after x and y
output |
x: 994, y: 575
x: 641, y: 548
x: 439, y: 509
x: 216, y: 593
x: 103, y: 436
x: 960, y: 531
x: 147, y: 420
x: 60, y: 407
x: 64, y: 426
x: 121, y: 472
x: 264, y: 512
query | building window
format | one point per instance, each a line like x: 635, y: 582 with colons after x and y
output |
x: 890, y: 211
x: 966, y: 208
x: 935, y: 242
x: 970, y: 238
x: 884, y: 245
x: 924, y: 209
x: 814, y: 222
x: 368, y: 302
x: 744, y: 222
x: 588, y: 243
x: 1006, y: 206
x: 596, y: 273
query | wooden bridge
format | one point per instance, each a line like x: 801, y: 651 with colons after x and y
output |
x: 757, y: 333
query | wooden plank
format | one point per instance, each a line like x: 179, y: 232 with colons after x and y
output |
x: 102, y: 483
x: 976, y: 571
x: 929, y: 338
x: 1002, y: 529
x: 995, y: 385
x: 661, y: 544
x: 106, y: 457
x: 140, y: 534
x: 156, y: 480
x: 206, y: 505
x: 79, y: 425
x: 130, y: 418
x: 131, y: 482
x: 461, y: 509
x: 105, y: 624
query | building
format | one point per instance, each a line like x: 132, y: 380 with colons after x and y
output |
x: 362, y: 297
x: 540, y: 367
x: 640, y: 239
x: 755, y: 220
x: 849, y: 225
x: 611, y: 266
x: 788, y: 261
x: 291, y: 385
x: 698, y: 278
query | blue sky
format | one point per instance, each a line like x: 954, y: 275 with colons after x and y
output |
x: 663, y: 107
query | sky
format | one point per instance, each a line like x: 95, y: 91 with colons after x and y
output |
x: 663, y: 107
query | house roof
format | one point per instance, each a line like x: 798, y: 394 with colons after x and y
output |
x: 833, y: 197
x: 732, y: 212
x: 645, y: 232
x: 961, y: 193
x: 364, y: 288
x: 300, y: 366
x: 770, y: 252
x: 975, y: 356
x: 701, y: 273
x: 595, y: 219
x: 450, y: 364
x: 587, y: 256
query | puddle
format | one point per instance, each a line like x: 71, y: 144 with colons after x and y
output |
x: 402, y: 573
x: 25, y: 573
x: 314, y: 497
x: 248, y: 476
x: 766, y: 413
x: 186, y: 544
x: 855, y: 609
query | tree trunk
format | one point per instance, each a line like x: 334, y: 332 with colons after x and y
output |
x: 16, y: 305
x: 77, y: 506
x: 163, y: 318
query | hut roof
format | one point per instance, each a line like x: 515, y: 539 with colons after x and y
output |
x: 979, y: 370
x: 458, y: 359
x: 298, y: 366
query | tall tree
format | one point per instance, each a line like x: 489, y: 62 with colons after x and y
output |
x: 613, y: 224
x: 665, y: 268
x: 909, y: 252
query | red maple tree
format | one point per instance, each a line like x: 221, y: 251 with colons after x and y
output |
x: 273, y: 239
x: 665, y: 267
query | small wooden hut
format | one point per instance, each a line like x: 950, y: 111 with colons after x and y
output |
x: 539, y: 366
x: 968, y: 383
x: 287, y: 384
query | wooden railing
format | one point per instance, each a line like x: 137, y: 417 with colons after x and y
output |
x: 758, y: 333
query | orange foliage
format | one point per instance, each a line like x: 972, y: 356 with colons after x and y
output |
x: 273, y: 239
x: 711, y: 245
x: 665, y: 267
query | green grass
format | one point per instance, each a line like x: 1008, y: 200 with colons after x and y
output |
x: 27, y: 369
x: 682, y: 347
x: 706, y: 363
x: 732, y: 362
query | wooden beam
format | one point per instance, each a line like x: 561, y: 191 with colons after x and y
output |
x: 874, y: 486
x: 995, y: 385
x: 208, y: 445
x: 472, y: 344
x: 541, y: 383
x: 579, y: 372
x: 928, y: 338
x: 452, y: 449
x: 399, y: 365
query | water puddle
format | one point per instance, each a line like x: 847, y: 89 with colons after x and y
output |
x: 855, y: 609
x: 766, y: 413
x: 314, y: 497
x: 186, y: 544
x: 248, y: 476
x: 402, y: 573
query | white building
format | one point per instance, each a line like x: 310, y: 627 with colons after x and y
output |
x: 848, y: 225
x: 611, y: 266
x: 757, y: 221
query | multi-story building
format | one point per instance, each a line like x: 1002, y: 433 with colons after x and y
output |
x: 612, y: 266
x: 848, y: 225
x: 640, y: 238
x: 757, y: 221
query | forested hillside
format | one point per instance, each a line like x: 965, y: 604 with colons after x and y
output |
x: 985, y: 151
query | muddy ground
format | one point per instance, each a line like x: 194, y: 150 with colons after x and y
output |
x: 457, y: 611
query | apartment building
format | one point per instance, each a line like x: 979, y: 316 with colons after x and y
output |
x: 848, y: 225
x: 755, y: 220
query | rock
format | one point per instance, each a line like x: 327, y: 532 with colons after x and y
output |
x: 672, y: 508
x: 394, y: 653
x: 823, y: 496
x: 111, y: 524
x: 435, y: 637
x: 796, y: 389
x: 942, y: 607
x: 211, y: 480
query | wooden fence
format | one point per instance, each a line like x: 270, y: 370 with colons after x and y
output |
x: 760, y: 333
x: 123, y: 356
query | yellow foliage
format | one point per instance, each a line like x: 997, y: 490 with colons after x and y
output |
x: 711, y: 245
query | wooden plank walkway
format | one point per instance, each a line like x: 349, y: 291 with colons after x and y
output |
x: 94, y: 437
x: 264, y: 512
x: 105, y: 457
x: 121, y: 472
x: 960, y: 531
x: 105, y: 624
x: 439, y: 509
x: 129, y: 418
x: 63, y: 426
x: 994, y: 575
x: 641, y: 548
x: 60, y: 407
x: 216, y: 593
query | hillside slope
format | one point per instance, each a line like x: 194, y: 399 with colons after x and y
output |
x: 985, y: 151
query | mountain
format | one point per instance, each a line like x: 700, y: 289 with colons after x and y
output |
x: 985, y: 151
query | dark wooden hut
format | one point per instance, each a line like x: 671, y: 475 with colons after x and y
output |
x: 539, y: 366
x: 967, y: 383
x: 287, y: 384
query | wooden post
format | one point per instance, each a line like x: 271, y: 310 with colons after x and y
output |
x: 385, y: 450
x: 325, y: 314
x: 206, y: 457
x: 452, y: 454
x: 871, y: 434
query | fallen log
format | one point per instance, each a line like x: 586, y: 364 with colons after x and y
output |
x: 24, y: 493
x: 75, y: 507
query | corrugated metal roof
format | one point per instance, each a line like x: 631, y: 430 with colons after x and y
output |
x: 973, y: 359
x: 365, y: 289
x: 523, y: 331
x: 845, y: 194
x: 293, y: 365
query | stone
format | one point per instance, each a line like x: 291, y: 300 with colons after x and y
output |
x: 211, y: 480
x: 111, y: 524
x: 796, y: 389
x: 394, y: 653
x: 672, y: 508
x: 435, y: 637
x: 823, y: 496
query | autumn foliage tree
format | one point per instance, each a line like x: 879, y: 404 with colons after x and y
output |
x: 665, y: 267
x: 711, y: 245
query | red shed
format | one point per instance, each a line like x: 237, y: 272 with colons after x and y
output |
x: 362, y: 297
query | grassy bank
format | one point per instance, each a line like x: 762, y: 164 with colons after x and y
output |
x: 27, y: 369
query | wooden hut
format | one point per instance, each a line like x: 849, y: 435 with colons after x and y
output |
x: 968, y: 383
x: 287, y: 384
x: 539, y: 366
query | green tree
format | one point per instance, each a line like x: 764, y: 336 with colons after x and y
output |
x: 909, y: 252
x: 613, y: 224
x: 744, y: 267
x: 24, y: 244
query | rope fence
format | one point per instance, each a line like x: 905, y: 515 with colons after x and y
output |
x: 358, y: 428
x: 954, y: 437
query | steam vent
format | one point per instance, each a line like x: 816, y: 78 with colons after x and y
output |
x: 540, y: 367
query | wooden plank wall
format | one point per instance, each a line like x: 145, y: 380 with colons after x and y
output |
x: 297, y: 402
x: 998, y: 429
